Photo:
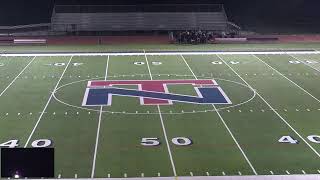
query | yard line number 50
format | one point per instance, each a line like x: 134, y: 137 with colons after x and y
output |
x: 179, y: 141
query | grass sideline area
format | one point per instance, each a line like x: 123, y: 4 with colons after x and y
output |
x: 271, y: 127
x: 160, y: 47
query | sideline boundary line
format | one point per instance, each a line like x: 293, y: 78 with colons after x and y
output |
x: 45, y: 107
x: 243, y: 177
x: 17, y: 76
x: 98, y: 128
x: 286, y: 78
x: 162, y: 53
x: 276, y: 112
x: 225, y: 125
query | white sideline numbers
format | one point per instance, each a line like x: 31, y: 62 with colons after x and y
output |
x: 153, y: 63
x: 58, y: 64
x: 216, y: 62
x: 40, y: 143
x: 314, y: 138
x: 220, y: 62
x: 307, y: 61
x: 156, y: 63
x: 179, y: 141
x: 150, y: 142
x: 234, y: 62
x: 77, y: 64
x: 294, y: 62
x: 10, y: 144
x: 291, y: 140
x: 287, y: 139
x: 138, y: 63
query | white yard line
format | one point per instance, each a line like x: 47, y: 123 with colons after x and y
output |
x: 276, y: 112
x: 318, y: 70
x: 188, y: 66
x: 287, y: 78
x: 174, y: 53
x: 163, y: 128
x: 98, y: 129
x: 167, y: 142
x: 226, y: 126
x: 235, y: 140
x: 145, y: 56
x: 17, y: 76
x: 45, y: 107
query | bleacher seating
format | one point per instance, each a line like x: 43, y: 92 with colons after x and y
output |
x: 133, y: 18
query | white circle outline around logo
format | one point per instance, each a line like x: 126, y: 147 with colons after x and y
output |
x: 146, y: 113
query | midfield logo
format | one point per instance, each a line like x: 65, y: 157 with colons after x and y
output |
x: 153, y: 92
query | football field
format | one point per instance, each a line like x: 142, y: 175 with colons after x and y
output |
x: 160, y: 114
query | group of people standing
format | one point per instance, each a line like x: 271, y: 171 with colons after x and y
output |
x: 192, y: 37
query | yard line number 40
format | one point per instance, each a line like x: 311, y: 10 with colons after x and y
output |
x: 39, y: 143
x: 291, y: 140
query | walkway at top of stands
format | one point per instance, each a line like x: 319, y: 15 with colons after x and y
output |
x: 138, y: 8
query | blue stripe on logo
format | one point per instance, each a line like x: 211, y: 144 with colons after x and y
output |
x: 210, y: 95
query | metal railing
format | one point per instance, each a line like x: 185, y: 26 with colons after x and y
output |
x: 29, y: 26
x: 233, y: 25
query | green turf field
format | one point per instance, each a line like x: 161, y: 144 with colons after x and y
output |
x: 273, y: 96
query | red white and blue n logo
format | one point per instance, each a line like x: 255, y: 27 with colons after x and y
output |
x: 153, y: 92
